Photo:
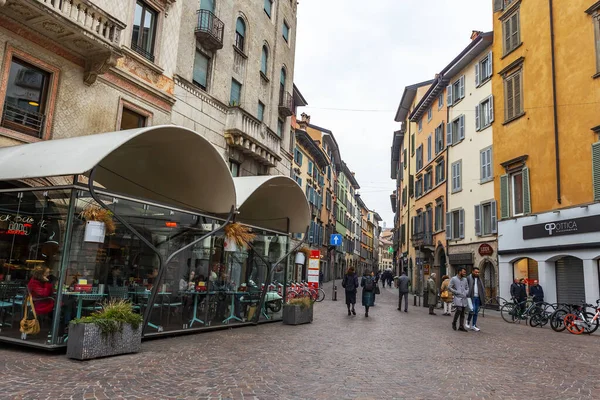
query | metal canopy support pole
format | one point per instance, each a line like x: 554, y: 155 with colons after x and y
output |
x: 161, y: 261
x: 270, y: 270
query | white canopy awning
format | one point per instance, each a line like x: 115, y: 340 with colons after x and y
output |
x: 268, y: 202
x: 167, y: 164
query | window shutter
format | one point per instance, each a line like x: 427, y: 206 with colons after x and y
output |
x: 515, y: 30
x: 477, y: 220
x: 489, y: 65
x: 461, y: 223
x: 461, y: 127
x: 483, y: 164
x: 504, y: 197
x: 491, y: 98
x: 507, y: 30
x: 449, y: 134
x: 498, y: 5
x: 477, y: 119
x: 489, y: 163
x: 449, y: 95
x: 596, y: 170
x: 494, y: 217
x: 526, y: 193
x: 462, y: 87
x: 510, y: 96
x: 517, y: 93
x: 459, y: 174
x: 449, y: 226
x: 477, y: 79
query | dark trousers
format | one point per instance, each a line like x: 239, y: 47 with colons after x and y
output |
x: 460, y: 313
x: 431, y: 307
x: 405, y: 297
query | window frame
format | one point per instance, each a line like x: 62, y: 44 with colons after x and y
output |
x: 441, y: 164
x: 507, y: 20
x: 136, y: 47
x: 231, y: 100
x: 125, y: 104
x: 240, y: 37
x: 480, y: 114
x: 260, y: 116
x: 270, y: 11
x: 486, y: 153
x: 509, y: 79
x: 456, y: 186
x: 208, y: 70
x: 283, y: 31
x: 512, y: 212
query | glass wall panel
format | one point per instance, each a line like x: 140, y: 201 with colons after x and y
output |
x: 32, y: 237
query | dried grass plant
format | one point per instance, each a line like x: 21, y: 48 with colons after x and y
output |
x: 303, y: 302
x: 97, y: 213
x: 239, y: 233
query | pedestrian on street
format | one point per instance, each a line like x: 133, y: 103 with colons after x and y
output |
x: 368, y: 293
x: 446, y: 295
x: 477, y: 296
x: 537, y: 292
x: 460, y: 288
x: 390, y: 278
x: 403, y: 283
x: 522, y: 294
x: 383, y: 278
x: 515, y: 289
x: 376, y: 280
x: 350, y: 285
x: 431, y: 293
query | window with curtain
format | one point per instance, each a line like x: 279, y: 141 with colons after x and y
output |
x: 201, y: 65
x: 264, y: 60
x: 240, y: 34
x: 236, y: 93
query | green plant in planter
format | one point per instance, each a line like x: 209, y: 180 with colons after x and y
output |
x: 112, y: 317
x: 303, y: 302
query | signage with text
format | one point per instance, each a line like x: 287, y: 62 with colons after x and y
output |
x: 313, y: 269
x: 486, y: 250
x: 560, y: 228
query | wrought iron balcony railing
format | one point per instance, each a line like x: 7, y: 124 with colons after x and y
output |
x: 24, y: 121
x: 209, y: 30
x: 286, y: 104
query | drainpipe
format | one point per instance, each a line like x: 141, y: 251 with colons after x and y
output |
x: 448, y: 188
x: 556, y: 145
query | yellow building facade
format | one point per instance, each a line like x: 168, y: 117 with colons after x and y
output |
x: 546, y: 154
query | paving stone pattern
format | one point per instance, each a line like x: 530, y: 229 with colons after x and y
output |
x: 390, y: 355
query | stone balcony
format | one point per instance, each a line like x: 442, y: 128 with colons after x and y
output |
x: 246, y: 133
x: 79, y: 26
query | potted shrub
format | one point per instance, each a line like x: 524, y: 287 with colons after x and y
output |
x: 98, y: 223
x: 298, y: 311
x: 115, y: 329
x: 236, y: 237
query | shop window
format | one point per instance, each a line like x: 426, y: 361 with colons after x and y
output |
x: 144, y: 30
x: 526, y: 268
x: 201, y: 67
x: 29, y: 93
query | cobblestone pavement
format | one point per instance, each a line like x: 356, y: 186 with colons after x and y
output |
x: 390, y: 355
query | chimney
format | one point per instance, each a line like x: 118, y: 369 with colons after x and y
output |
x: 475, y: 34
x: 305, y: 118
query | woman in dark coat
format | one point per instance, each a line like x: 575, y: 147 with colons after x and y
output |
x: 350, y: 284
x: 368, y: 295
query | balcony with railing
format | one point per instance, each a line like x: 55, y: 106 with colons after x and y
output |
x: 286, y: 104
x: 248, y: 134
x: 422, y: 239
x: 80, y: 26
x: 209, y: 30
x: 21, y: 120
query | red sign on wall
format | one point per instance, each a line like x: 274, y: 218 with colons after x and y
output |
x: 486, y: 250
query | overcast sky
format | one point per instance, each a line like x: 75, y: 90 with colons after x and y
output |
x: 359, y: 55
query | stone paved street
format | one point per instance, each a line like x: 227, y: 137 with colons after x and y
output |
x: 390, y: 355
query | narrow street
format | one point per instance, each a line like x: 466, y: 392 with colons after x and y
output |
x: 390, y: 355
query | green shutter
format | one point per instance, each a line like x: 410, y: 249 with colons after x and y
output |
x: 596, y: 169
x: 526, y: 193
x: 504, y: 197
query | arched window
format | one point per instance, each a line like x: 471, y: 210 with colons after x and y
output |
x: 240, y: 33
x: 264, y: 59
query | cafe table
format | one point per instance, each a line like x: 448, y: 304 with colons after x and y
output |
x: 146, y: 294
x: 196, y: 296
x: 81, y: 297
x: 232, y: 315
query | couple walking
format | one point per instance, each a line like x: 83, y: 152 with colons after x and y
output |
x: 350, y: 285
x: 469, y: 295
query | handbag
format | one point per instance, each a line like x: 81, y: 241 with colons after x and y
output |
x: 445, y: 294
x: 376, y: 290
x: 470, y: 303
x: 29, y: 326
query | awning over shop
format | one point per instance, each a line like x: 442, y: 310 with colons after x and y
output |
x: 167, y: 164
x: 268, y: 202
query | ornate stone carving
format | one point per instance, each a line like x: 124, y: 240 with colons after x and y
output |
x: 53, y: 27
x: 20, y: 9
x: 99, y: 65
x: 83, y: 44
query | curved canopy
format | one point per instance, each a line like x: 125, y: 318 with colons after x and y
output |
x: 167, y: 163
x: 268, y: 202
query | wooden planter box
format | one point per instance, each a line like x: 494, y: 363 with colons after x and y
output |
x: 295, y: 315
x: 87, y: 342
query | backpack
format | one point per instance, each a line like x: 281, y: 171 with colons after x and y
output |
x: 369, y: 284
x: 348, y: 283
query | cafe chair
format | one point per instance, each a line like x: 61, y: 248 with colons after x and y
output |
x: 97, y: 300
x: 8, y: 300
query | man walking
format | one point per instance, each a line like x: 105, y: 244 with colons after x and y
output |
x: 537, y: 292
x: 477, y: 296
x: 460, y: 288
x: 403, y: 283
x: 431, y: 293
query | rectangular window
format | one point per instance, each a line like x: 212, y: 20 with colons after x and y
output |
x: 455, y: 131
x: 486, y: 165
x: 201, y: 64
x: 457, y: 176
x: 420, y: 124
x: 429, y: 114
x: 144, y: 30
x: 483, y: 70
x: 439, y: 139
x: 484, y: 113
x: 261, y: 111
x: 511, y: 32
x: 455, y: 225
x: 440, y: 172
x: 485, y: 219
x: 298, y: 157
x: 441, y: 101
x: 298, y: 180
x: 26, y: 99
x: 429, y: 148
x: 235, y: 168
x: 513, y: 103
x: 131, y: 120
x: 517, y: 193
x: 456, y: 91
x: 420, y: 158
x: 428, y: 181
x: 419, y: 187
x: 412, y: 144
x: 286, y: 31
x: 310, y: 167
x: 328, y: 201
x: 268, y: 7
x: 236, y: 93
x: 404, y: 159
x: 439, y: 217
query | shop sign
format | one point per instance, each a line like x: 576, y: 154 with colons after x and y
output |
x: 560, y: 228
x: 461, y: 258
x: 486, y: 250
x: 426, y: 269
x: 313, y: 269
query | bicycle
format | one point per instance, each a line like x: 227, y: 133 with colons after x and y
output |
x: 581, y: 321
x: 558, y: 316
x: 512, y: 311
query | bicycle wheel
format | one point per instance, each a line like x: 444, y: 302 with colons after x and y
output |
x: 573, y: 324
x: 591, y: 325
x: 508, y: 312
x: 557, y: 320
x: 535, y: 320
x: 321, y: 295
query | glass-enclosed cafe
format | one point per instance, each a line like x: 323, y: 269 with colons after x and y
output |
x: 166, y: 188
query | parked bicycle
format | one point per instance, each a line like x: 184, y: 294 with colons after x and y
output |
x: 514, y: 311
x: 580, y: 321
